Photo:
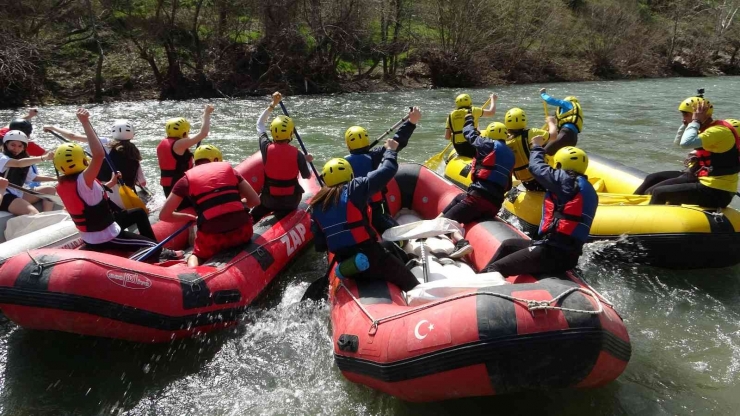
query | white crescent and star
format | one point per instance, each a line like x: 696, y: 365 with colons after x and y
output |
x: 416, y: 329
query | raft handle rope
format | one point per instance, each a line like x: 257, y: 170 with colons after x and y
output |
x: 207, y: 276
x: 531, y: 305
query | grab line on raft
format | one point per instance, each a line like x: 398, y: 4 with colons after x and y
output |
x: 531, y: 305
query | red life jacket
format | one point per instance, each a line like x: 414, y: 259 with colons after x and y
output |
x: 719, y: 164
x: 281, y: 170
x: 87, y: 218
x: 172, y: 165
x: 214, y: 190
x: 567, y: 223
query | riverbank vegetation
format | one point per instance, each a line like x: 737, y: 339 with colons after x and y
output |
x: 99, y: 50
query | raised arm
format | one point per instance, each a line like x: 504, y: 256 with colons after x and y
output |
x: 403, y: 134
x: 491, y: 110
x: 96, y: 148
x: 185, y: 143
x: 67, y: 134
x: 565, y: 105
x: 262, y: 120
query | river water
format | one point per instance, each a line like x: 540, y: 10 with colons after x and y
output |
x: 684, y: 325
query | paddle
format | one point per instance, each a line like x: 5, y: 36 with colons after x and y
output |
x: 53, y: 198
x: 387, y: 132
x: 146, y: 254
x: 65, y: 140
x: 319, y: 288
x: 305, y: 152
x: 433, y: 162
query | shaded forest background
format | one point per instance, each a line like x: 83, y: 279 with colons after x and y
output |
x: 101, y: 50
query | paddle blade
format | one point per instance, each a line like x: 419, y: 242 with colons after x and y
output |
x: 130, y: 199
x: 35, y: 150
x: 433, y: 162
x: 317, y: 290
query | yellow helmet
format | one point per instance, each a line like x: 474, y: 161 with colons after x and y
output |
x: 571, y: 158
x: 69, y: 158
x: 496, y: 131
x: 735, y: 123
x: 689, y: 105
x: 209, y: 152
x: 177, y: 127
x: 515, y: 119
x: 463, y: 101
x: 337, y: 171
x: 356, y: 137
x: 282, y: 128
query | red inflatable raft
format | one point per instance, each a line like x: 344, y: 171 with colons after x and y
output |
x: 104, y: 295
x: 538, y: 332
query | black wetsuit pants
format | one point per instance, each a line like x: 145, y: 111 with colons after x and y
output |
x: 518, y: 256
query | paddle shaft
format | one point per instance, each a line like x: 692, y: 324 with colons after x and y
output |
x: 387, y: 132
x: 53, y: 198
x: 298, y: 136
x: 145, y: 255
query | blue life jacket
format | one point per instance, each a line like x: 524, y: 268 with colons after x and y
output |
x: 344, y: 224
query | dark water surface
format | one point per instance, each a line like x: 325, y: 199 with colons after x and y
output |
x: 685, y: 325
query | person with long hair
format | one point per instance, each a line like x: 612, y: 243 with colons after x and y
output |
x: 341, y: 225
x: 16, y: 167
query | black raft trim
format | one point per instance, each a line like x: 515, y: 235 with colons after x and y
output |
x: 115, y: 311
x: 479, y: 352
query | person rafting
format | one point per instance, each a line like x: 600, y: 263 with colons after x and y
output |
x: 712, y: 176
x: 456, y: 120
x: 281, y: 193
x: 24, y: 124
x: 518, y: 140
x: 568, y: 211
x: 123, y: 153
x: 88, y: 204
x: 340, y: 222
x: 569, y: 116
x: 173, y: 152
x: 221, y: 198
x: 17, y: 167
x: 491, y: 178
x: 365, y: 160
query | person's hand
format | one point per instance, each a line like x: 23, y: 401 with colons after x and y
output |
x: 33, y: 112
x: 700, y: 113
x: 276, y: 98
x: 83, y: 115
x: 48, y: 129
x: 538, y: 141
x: 3, y: 185
x: 494, y: 97
x: 309, y: 158
x: 551, y: 120
x: 543, y: 90
x: 208, y: 110
x: 414, y: 115
x: 391, y: 144
x: 116, y: 176
x: 48, y: 156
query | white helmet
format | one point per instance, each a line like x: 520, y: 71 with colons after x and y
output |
x: 15, y: 135
x: 122, y: 130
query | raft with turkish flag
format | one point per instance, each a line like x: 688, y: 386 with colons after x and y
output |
x: 468, y: 337
x: 106, y: 295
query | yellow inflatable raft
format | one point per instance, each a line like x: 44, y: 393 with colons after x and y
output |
x: 670, y: 236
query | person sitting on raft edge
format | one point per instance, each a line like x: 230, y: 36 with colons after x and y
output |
x: 281, y: 193
x: 568, y: 210
x: 340, y: 222
x: 364, y: 160
x: 491, y: 178
x: 221, y: 198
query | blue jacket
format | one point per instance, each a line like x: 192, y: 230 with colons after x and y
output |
x: 360, y: 189
x: 402, y: 136
x: 484, y: 146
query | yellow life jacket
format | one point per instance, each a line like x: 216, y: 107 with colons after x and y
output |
x: 575, y: 116
x: 520, y: 146
x: 456, y: 121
